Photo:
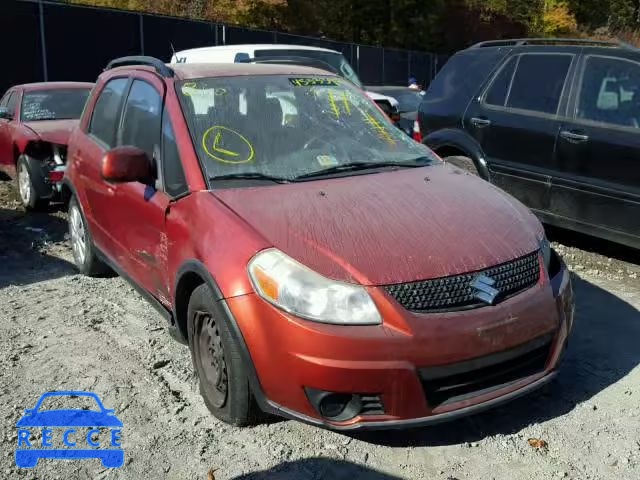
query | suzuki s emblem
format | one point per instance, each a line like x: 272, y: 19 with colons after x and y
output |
x: 485, y: 290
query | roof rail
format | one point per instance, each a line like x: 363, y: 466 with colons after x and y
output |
x: 516, y: 42
x: 159, y: 65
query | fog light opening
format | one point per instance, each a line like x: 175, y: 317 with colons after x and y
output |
x: 335, y: 406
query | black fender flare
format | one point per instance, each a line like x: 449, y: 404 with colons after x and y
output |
x: 223, y: 311
x: 460, y: 140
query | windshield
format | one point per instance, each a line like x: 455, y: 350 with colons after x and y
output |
x: 59, y: 104
x: 289, y: 127
x: 335, y: 60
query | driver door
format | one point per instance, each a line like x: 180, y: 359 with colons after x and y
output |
x: 137, y: 211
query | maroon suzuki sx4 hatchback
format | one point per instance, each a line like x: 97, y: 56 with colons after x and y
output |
x: 319, y: 263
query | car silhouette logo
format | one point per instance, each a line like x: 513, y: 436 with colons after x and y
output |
x: 485, y: 291
x: 70, y: 419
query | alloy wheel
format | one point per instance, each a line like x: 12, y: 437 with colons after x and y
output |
x: 78, y: 234
x: 24, y: 184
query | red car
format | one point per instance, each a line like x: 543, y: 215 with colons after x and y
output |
x: 319, y: 263
x: 35, y: 122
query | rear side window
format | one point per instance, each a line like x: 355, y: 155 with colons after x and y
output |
x: 538, y: 82
x: 142, y: 117
x: 610, y: 92
x: 104, y: 121
x: 499, y: 89
x: 11, y: 102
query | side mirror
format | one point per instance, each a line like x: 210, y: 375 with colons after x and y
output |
x: 126, y: 164
x: 5, y: 114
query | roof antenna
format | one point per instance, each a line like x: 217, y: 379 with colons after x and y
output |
x: 173, y: 50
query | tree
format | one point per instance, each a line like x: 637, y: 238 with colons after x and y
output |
x: 557, y: 19
x: 624, y: 15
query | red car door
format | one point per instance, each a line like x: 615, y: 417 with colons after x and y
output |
x: 9, y: 101
x: 87, y: 150
x: 137, y: 212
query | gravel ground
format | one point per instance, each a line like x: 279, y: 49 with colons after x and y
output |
x: 59, y: 330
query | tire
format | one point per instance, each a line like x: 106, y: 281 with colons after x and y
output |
x: 84, y: 252
x: 222, y: 374
x: 28, y: 173
x: 465, y: 163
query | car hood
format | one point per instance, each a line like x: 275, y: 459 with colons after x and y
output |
x: 53, y: 131
x: 69, y: 418
x: 392, y: 227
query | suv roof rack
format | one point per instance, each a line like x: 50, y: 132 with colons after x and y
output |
x: 516, y: 42
x: 157, y: 64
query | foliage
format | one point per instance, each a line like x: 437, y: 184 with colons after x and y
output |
x: 443, y: 25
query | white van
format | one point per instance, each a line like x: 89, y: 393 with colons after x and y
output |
x: 330, y: 60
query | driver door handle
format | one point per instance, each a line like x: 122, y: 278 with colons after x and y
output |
x: 480, y: 122
x: 573, y: 136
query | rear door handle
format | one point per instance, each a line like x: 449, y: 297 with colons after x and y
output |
x: 573, y: 136
x: 480, y: 122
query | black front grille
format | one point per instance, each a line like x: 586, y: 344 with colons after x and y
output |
x: 460, y: 381
x: 456, y: 293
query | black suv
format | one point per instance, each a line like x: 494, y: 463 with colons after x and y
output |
x: 554, y: 122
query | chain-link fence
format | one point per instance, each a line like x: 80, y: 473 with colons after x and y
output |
x: 49, y: 41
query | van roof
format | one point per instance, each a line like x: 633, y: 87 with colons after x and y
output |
x: 188, y: 71
x: 256, y: 46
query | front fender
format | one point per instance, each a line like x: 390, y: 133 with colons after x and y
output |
x: 23, y: 137
x: 460, y: 140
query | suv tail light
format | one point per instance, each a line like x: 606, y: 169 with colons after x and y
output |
x: 417, y: 134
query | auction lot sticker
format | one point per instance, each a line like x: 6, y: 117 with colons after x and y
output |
x: 47, y: 431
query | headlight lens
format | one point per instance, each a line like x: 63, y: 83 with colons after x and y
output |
x: 282, y: 281
x: 545, y: 251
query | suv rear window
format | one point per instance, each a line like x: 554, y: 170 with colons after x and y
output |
x: 610, y: 92
x: 538, y: 82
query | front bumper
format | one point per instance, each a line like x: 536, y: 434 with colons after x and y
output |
x: 290, y: 354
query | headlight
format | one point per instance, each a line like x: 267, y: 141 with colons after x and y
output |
x: 291, y: 286
x: 545, y: 251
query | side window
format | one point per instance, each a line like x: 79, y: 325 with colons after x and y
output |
x: 5, y: 99
x: 11, y: 102
x: 538, y: 82
x: 499, y: 89
x: 104, y: 121
x: 610, y: 92
x: 173, y: 173
x: 142, y: 117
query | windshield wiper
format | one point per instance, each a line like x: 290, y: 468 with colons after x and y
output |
x: 250, y: 176
x: 352, y: 167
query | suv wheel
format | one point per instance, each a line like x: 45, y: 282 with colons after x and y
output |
x: 28, y: 172
x: 224, y: 383
x: 84, y: 252
x: 465, y: 163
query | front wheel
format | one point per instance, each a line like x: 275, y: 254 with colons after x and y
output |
x: 29, y: 173
x: 224, y: 383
